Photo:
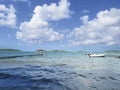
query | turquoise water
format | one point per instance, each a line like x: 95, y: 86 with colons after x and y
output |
x: 59, y: 71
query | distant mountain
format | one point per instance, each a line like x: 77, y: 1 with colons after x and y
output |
x: 12, y: 50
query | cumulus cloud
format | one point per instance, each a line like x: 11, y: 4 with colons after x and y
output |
x: 104, y: 29
x: 37, y: 30
x: 7, y: 16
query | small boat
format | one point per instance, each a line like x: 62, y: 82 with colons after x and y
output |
x: 96, y: 55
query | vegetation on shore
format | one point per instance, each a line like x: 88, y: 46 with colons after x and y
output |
x: 112, y: 51
x: 56, y: 51
x: 11, y: 50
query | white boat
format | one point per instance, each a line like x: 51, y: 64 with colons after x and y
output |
x: 96, y: 55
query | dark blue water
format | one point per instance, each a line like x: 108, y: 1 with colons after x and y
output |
x: 60, y: 71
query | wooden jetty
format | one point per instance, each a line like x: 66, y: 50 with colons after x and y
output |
x: 39, y: 52
x: 8, y: 57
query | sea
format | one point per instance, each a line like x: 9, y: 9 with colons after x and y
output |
x: 60, y: 71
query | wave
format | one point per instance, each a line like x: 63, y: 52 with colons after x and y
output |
x: 17, y: 82
x: 30, y: 78
x: 113, y: 55
x: 5, y: 76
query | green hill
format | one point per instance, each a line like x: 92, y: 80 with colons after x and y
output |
x: 12, y: 50
x: 113, y: 51
x: 56, y: 51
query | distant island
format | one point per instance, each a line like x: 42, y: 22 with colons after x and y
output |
x: 11, y: 50
x: 112, y: 51
x: 16, y: 50
x: 81, y: 51
x: 56, y: 51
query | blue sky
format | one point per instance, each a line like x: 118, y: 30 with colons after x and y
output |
x: 92, y: 25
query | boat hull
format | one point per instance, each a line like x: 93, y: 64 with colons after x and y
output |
x: 96, y: 55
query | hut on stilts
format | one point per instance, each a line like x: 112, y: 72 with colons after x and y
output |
x: 40, y: 51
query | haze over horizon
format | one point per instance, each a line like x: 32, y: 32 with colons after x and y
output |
x: 60, y: 24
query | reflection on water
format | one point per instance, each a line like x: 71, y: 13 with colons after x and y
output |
x: 60, y: 71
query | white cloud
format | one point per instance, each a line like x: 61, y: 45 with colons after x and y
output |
x: 53, y: 12
x: 84, y: 19
x: 37, y: 30
x: 104, y: 29
x: 7, y: 16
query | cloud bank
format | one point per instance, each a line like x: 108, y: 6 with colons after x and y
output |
x: 7, y: 16
x: 37, y: 30
x: 104, y: 29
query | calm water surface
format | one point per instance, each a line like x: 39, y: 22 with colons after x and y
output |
x: 59, y: 71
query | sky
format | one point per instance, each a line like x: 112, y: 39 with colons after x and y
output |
x: 90, y: 25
